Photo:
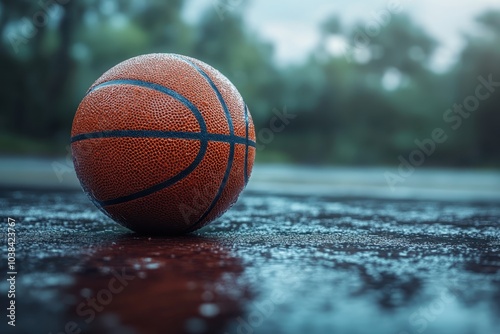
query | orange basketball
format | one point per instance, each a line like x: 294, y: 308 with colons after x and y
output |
x: 163, y: 143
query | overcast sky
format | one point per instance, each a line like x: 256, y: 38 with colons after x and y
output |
x: 292, y: 26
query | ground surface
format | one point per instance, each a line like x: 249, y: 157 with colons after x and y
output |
x: 288, y: 258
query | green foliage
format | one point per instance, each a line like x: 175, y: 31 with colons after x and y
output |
x: 479, y: 139
x: 346, y: 113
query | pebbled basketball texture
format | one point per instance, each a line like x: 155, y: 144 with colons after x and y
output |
x: 163, y: 143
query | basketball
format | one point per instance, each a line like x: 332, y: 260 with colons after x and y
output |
x: 163, y: 144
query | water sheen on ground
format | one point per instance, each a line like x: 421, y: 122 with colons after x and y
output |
x: 277, y: 262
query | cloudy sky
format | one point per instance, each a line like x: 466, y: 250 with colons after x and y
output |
x: 292, y: 26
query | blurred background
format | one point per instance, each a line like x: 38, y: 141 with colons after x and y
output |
x: 377, y: 186
x: 363, y: 80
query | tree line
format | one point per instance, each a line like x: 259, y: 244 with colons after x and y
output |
x: 368, y: 105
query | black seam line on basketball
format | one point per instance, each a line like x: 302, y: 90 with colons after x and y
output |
x: 221, y: 188
x: 231, y: 148
x: 245, y: 172
x: 163, y: 134
x: 162, y: 185
x: 185, y: 172
x: 214, y: 88
x: 159, y: 88
x: 219, y: 192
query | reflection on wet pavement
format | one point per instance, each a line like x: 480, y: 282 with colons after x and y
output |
x: 272, y: 264
x: 151, y: 283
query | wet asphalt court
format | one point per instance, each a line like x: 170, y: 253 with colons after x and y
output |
x: 287, y: 258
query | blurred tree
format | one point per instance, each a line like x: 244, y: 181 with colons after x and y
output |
x: 399, y: 44
x: 35, y: 56
x: 478, y: 137
x: 354, y: 115
x: 243, y: 58
x: 366, y: 109
x: 51, y: 53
